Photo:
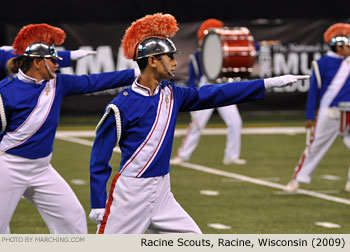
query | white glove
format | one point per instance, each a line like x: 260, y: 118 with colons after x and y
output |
x: 6, y: 48
x: 283, y: 80
x: 96, y: 214
x: 78, y: 54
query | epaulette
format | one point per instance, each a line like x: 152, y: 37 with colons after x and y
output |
x: 6, y: 81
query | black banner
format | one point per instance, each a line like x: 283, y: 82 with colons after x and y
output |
x: 301, y: 41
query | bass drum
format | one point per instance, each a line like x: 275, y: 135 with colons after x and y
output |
x: 228, y: 53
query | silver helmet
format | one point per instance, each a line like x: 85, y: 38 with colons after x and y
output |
x: 340, y: 41
x: 155, y: 46
x: 41, y: 50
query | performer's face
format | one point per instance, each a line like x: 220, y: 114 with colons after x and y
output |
x: 50, y: 69
x: 170, y: 63
x: 344, y: 50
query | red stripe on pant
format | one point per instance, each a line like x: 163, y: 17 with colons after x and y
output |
x: 304, y: 154
x: 109, y: 204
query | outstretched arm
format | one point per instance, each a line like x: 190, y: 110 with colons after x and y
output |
x: 218, y: 95
x: 83, y: 84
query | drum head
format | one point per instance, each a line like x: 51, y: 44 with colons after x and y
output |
x: 211, y: 56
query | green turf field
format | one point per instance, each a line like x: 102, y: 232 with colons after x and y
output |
x: 242, y: 207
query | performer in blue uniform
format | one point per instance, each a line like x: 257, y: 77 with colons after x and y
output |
x: 329, y: 85
x: 29, y: 113
x: 142, y: 119
x: 199, y: 119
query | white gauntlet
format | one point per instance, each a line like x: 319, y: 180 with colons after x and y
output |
x: 78, y: 54
x: 97, y: 214
x: 283, y: 80
x: 6, y: 48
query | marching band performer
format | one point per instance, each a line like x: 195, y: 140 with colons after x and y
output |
x: 329, y: 85
x: 142, y: 119
x: 29, y: 113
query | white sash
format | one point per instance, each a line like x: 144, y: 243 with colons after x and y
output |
x: 147, y: 151
x: 336, y: 84
x: 34, y: 121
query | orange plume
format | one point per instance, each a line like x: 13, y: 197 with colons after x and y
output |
x: 37, y: 33
x: 338, y: 29
x: 207, y: 24
x: 157, y: 25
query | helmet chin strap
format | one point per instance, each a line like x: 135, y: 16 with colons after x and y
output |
x: 53, y: 75
x: 166, y: 67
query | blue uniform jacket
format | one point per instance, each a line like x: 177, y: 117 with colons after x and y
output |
x: 147, y: 126
x: 329, y: 66
x: 20, y: 99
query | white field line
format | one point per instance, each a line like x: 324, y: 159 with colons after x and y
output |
x: 208, y: 131
x: 68, y: 136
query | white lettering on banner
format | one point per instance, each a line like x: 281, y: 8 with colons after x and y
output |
x: 101, y: 62
x: 265, y: 62
x: 281, y: 65
x: 93, y: 64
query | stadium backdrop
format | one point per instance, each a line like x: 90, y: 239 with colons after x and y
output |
x: 301, y: 41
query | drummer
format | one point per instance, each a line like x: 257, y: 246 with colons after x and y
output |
x: 199, y: 119
x: 329, y: 85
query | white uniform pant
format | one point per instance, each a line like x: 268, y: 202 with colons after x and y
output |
x: 136, y: 205
x: 231, y: 117
x: 37, y: 181
x: 326, y: 130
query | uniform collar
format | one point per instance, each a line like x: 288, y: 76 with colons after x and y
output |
x: 23, y: 77
x: 138, y: 88
x: 334, y: 55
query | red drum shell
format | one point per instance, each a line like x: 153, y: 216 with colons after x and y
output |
x: 238, y: 51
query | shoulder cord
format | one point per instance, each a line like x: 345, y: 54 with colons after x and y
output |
x: 317, y: 74
x: 117, y: 121
x: 2, y: 115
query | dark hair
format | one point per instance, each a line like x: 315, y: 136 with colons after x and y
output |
x: 22, y: 62
x: 143, y: 62
x: 334, y: 48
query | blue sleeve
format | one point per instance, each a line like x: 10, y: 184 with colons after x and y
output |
x: 82, y: 84
x: 218, y: 95
x: 192, y: 76
x: 66, y: 60
x: 257, y: 46
x: 312, y: 98
x: 100, y: 170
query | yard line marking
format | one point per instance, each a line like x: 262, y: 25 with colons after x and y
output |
x: 262, y: 182
x: 78, y: 182
x: 218, y: 226
x: 327, y: 224
x: 68, y: 137
x: 331, y: 177
x: 319, y: 191
x: 209, y: 193
x: 207, y: 131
